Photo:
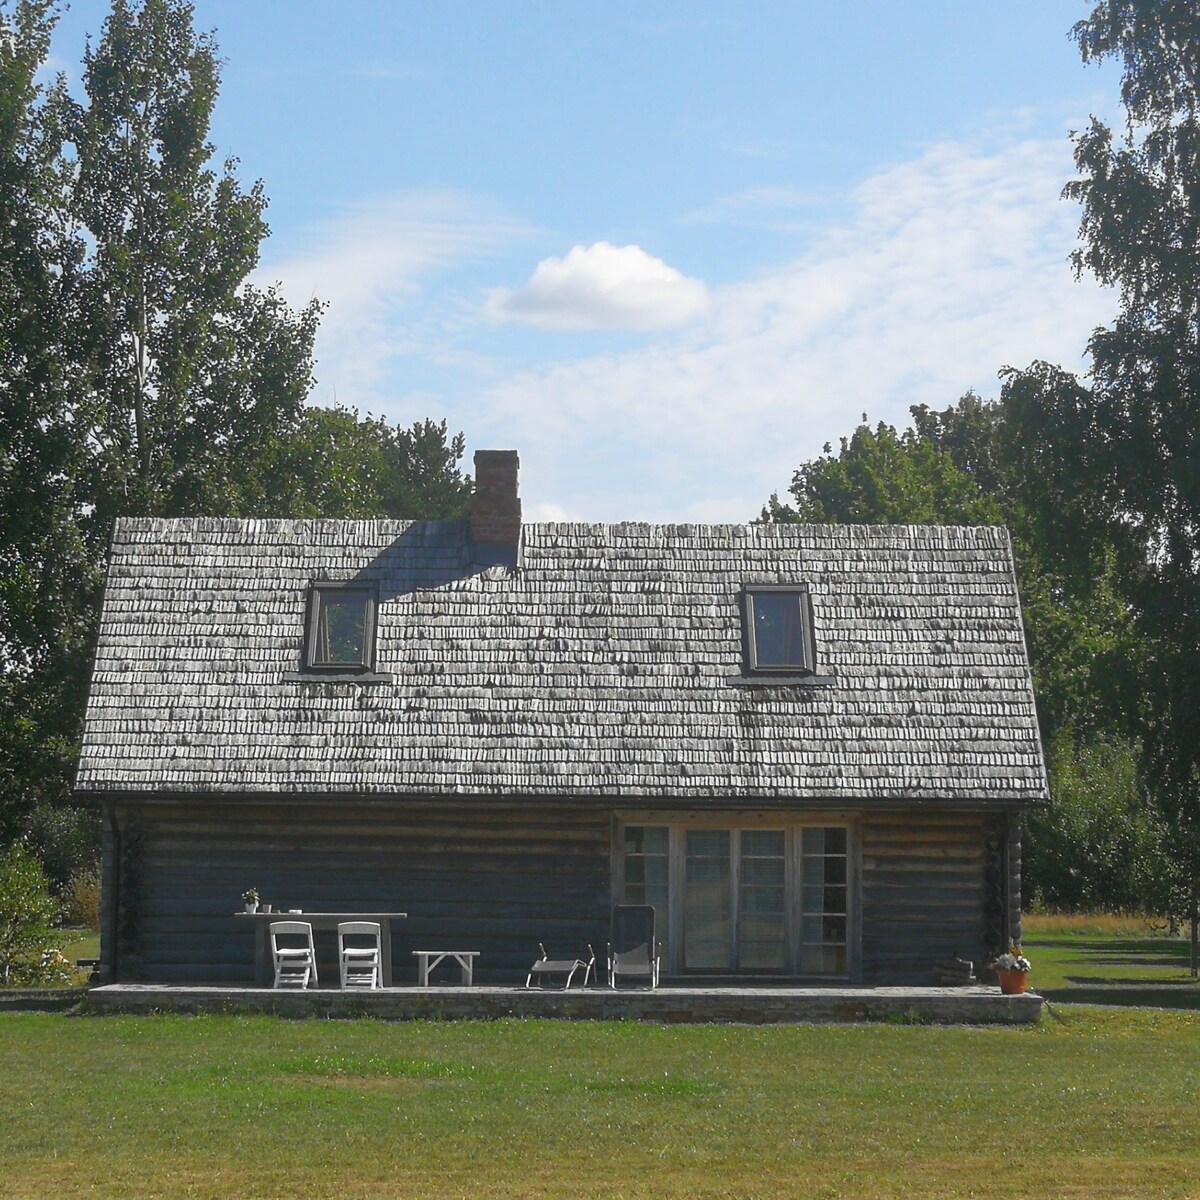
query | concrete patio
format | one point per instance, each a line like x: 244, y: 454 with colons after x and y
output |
x: 975, y: 1005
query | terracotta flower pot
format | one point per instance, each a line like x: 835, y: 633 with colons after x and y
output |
x: 1013, y: 983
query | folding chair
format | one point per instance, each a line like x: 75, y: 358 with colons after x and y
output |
x: 358, y: 953
x: 294, y: 954
x: 546, y: 967
x: 633, y: 951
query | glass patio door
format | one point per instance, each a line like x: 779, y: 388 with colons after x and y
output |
x: 734, y: 887
x: 734, y: 899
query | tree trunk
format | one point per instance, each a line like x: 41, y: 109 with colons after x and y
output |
x: 1194, y: 905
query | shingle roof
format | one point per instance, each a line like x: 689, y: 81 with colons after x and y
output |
x: 604, y: 664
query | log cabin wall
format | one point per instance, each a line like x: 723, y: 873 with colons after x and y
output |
x: 922, y: 893
x: 473, y: 877
x: 497, y: 879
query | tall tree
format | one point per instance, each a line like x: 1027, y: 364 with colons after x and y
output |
x: 44, y: 563
x: 185, y: 364
x: 140, y: 371
x: 1140, y: 229
x: 1123, y: 454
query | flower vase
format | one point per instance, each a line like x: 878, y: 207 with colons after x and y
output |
x: 251, y: 906
x: 1013, y: 983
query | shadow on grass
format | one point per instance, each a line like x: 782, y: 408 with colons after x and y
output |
x: 1149, y: 972
x: 1136, y: 995
x: 1125, y: 947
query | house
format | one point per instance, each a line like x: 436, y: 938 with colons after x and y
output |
x: 809, y: 747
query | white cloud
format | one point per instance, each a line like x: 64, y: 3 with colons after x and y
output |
x: 370, y: 264
x: 935, y: 273
x: 943, y: 269
x: 602, y: 287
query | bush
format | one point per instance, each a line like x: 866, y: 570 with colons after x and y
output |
x: 28, y: 914
x: 1101, y: 847
x: 66, y: 839
x: 83, y: 898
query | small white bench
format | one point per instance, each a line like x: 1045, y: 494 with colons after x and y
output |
x: 428, y: 959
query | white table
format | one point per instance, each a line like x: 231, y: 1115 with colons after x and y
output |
x: 428, y: 959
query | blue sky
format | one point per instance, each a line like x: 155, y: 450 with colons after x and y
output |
x: 665, y: 250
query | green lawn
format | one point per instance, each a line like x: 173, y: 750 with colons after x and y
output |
x: 1109, y: 960
x: 1091, y: 1103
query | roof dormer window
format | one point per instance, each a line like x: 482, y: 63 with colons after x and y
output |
x: 778, y: 629
x: 341, y: 627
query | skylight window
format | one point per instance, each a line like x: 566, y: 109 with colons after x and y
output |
x: 341, y: 627
x: 779, y: 629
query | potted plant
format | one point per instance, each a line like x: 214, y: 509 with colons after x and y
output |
x: 250, y: 896
x: 1012, y: 970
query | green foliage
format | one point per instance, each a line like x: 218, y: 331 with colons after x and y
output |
x: 338, y: 465
x: 187, y: 367
x: 66, y: 840
x: 27, y: 917
x: 83, y: 899
x: 883, y: 477
x: 1102, y: 846
x: 1122, y: 455
x: 141, y: 372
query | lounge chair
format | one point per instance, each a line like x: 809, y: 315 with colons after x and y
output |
x: 633, y: 951
x: 546, y: 967
x: 293, y: 953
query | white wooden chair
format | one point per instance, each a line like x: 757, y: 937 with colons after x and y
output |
x: 360, y: 962
x: 294, y: 954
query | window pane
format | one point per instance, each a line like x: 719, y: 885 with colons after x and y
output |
x: 767, y: 842
x: 778, y: 631
x: 823, y: 922
x: 762, y: 872
x: 812, y: 960
x: 647, y: 875
x: 708, y: 917
x: 762, y: 926
x: 341, y: 629
x: 833, y: 929
x: 646, y: 839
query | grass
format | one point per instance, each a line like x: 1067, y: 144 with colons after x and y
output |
x: 80, y: 943
x: 1095, y: 1103
x: 1109, y: 960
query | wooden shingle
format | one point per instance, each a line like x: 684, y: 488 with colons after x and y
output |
x: 609, y: 662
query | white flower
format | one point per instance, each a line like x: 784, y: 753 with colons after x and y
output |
x: 1012, y: 962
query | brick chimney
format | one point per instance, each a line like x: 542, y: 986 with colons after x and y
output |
x: 496, y: 508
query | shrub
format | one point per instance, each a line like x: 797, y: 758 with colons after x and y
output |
x: 28, y: 913
x: 1101, y: 847
x: 66, y: 839
x: 83, y: 898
